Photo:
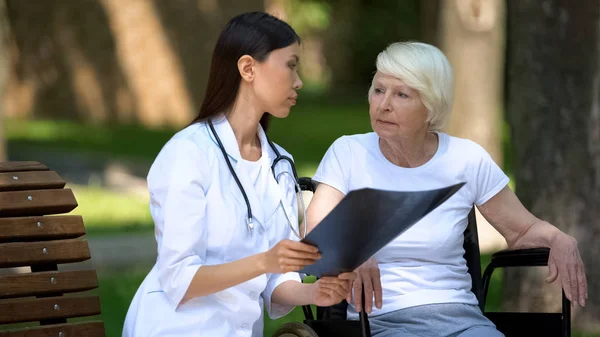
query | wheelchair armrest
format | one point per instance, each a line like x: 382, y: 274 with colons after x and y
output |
x: 531, y: 257
x: 307, y: 184
x: 334, y: 312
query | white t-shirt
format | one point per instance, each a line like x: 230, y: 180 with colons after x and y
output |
x: 425, y: 264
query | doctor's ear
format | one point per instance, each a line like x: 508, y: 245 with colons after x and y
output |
x: 246, y: 66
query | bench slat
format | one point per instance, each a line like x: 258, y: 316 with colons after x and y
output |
x: 44, y: 283
x: 37, y: 309
x: 17, y: 254
x: 36, y: 202
x: 88, y: 329
x: 41, y: 228
x: 32, y: 180
x: 16, y: 166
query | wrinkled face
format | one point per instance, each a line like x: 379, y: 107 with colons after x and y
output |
x: 277, y: 80
x: 395, y: 109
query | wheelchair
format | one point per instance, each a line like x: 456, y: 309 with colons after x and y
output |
x: 332, y: 322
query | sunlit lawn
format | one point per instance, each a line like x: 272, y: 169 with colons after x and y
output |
x: 110, y: 212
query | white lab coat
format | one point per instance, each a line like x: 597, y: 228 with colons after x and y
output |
x: 200, y: 219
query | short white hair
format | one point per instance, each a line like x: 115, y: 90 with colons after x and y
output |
x: 426, y: 69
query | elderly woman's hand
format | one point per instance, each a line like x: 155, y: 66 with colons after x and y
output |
x: 522, y: 230
x: 367, y: 276
x: 565, y: 262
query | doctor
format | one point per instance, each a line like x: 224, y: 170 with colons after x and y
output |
x: 224, y: 217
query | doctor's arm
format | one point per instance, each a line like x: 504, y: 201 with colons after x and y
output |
x: 286, y: 256
x: 521, y: 229
x: 367, y: 275
x: 177, y: 182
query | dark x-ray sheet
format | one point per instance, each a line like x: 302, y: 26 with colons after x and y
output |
x: 364, y: 222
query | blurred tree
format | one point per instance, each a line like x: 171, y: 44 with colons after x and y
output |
x: 310, y: 19
x: 472, y: 37
x: 107, y: 61
x: 429, y: 21
x: 359, y: 31
x: 4, y: 64
x: 554, y: 112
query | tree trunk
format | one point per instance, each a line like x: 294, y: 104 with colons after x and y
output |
x: 4, y: 64
x: 473, y: 39
x: 554, y: 113
x: 430, y: 17
x: 472, y: 35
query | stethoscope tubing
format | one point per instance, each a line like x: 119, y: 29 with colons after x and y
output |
x: 278, y: 158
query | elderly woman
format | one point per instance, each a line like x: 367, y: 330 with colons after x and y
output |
x: 419, y: 280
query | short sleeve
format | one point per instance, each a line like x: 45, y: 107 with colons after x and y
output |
x: 178, y: 206
x: 333, y: 169
x: 490, y: 179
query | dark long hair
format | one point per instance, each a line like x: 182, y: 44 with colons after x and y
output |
x: 255, y: 34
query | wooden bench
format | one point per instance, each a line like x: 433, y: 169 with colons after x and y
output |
x: 31, y: 235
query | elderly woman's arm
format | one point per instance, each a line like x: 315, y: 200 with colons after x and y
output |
x: 521, y: 229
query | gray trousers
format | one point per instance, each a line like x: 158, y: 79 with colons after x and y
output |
x: 434, y: 320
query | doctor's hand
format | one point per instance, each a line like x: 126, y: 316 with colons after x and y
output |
x: 369, y: 278
x: 328, y: 291
x: 289, y: 256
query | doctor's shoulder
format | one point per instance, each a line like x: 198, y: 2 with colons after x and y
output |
x: 188, y: 152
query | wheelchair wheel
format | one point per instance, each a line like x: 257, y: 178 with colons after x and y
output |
x: 295, y: 330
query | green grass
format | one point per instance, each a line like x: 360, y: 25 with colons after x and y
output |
x: 110, y: 212
x: 117, y: 289
x: 112, y: 140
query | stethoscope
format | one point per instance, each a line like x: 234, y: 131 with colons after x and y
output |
x: 278, y: 158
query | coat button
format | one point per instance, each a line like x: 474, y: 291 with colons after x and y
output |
x: 253, y: 296
x: 245, y: 326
